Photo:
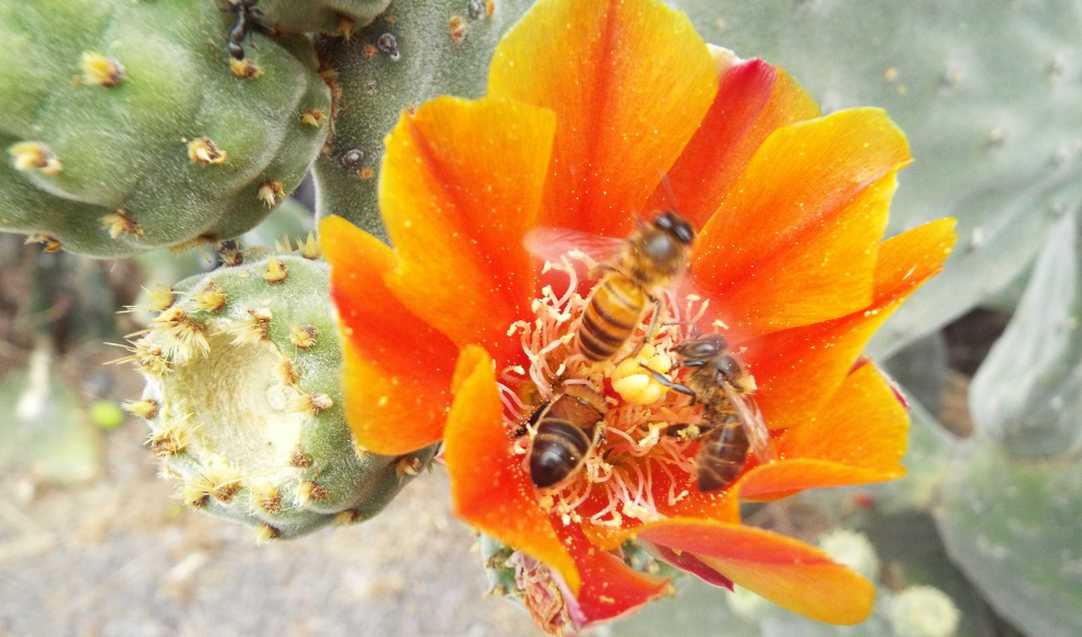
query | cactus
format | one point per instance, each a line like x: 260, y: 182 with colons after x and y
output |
x: 1036, y: 413
x: 124, y: 127
x: 413, y: 52
x: 244, y: 405
x: 1010, y: 505
x: 342, y: 17
x: 987, y: 93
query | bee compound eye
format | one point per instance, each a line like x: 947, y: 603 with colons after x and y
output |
x: 683, y: 232
x: 663, y: 221
x: 728, y: 367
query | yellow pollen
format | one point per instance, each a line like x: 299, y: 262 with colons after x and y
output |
x: 635, y: 384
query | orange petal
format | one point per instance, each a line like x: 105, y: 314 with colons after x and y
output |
x: 629, y: 81
x: 754, y: 99
x: 909, y: 259
x: 785, y: 477
x: 789, y: 573
x: 397, y: 368
x: 610, y: 588
x: 863, y: 425
x: 795, y: 240
x: 798, y: 370
x: 460, y: 186
x: 488, y: 485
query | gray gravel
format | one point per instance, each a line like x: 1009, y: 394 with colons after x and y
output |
x: 119, y: 557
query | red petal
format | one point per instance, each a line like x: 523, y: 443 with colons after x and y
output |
x: 789, y: 573
x: 688, y: 562
x: 610, y: 588
x: 754, y: 99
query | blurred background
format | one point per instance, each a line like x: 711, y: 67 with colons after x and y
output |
x: 978, y: 540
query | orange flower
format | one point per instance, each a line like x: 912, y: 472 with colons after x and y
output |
x: 457, y: 334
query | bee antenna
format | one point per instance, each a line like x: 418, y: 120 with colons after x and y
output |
x: 666, y: 187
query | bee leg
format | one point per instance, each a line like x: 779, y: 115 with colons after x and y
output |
x: 655, y: 322
x: 673, y: 385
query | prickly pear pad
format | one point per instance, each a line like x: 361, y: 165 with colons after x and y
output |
x: 124, y: 129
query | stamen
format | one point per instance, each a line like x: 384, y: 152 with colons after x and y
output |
x: 631, y: 444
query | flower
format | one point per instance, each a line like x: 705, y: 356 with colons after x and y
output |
x: 458, y: 334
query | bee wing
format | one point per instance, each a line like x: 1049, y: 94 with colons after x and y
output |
x: 550, y: 244
x: 754, y: 426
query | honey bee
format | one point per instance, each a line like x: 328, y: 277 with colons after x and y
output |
x: 731, y: 424
x: 567, y: 428
x: 652, y: 256
x: 636, y: 268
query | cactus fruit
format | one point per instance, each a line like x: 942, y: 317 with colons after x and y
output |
x: 124, y: 129
x: 852, y: 549
x: 987, y: 93
x: 923, y: 611
x: 341, y: 17
x: 244, y: 404
x: 412, y: 53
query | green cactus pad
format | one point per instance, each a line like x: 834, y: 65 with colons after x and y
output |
x: 412, y: 53
x: 1026, y: 393
x: 1012, y: 525
x: 320, y: 16
x: 244, y: 402
x: 125, y: 128
x: 1010, y: 504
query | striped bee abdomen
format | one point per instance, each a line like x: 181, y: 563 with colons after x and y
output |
x: 559, y: 449
x: 722, y: 455
x: 612, y: 312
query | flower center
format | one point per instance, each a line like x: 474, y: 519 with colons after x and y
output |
x: 641, y: 453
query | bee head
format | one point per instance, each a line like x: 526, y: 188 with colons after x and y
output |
x: 703, y: 348
x: 675, y: 226
x: 664, y: 243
